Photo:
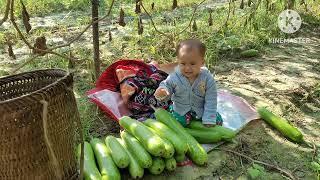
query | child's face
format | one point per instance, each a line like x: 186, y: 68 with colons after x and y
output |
x: 190, y: 62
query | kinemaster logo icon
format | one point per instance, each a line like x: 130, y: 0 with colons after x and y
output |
x: 289, y: 21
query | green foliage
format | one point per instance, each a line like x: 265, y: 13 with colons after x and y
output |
x: 2, y: 5
x: 3, y: 73
x: 76, y: 4
x: 316, y: 93
x: 2, y: 39
x: 45, y: 7
x: 86, y: 110
x: 255, y: 171
x: 44, y: 62
x: 315, y: 166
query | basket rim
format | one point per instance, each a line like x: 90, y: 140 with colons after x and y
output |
x: 39, y: 90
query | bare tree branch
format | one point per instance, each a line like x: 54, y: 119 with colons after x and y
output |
x: 38, y: 55
x: 25, y: 40
x: 283, y: 171
x: 152, y: 22
x: 28, y: 43
x: 168, y: 36
x: 6, y: 13
x: 49, y: 51
x: 192, y: 17
x: 17, y: 28
x: 63, y: 45
x: 84, y: 30
x: 25, y: 63
x: 61, y: 55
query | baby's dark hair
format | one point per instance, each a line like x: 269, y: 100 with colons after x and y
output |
x: 191, y: 44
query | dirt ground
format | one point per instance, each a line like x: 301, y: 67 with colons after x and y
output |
x: 285, y: 79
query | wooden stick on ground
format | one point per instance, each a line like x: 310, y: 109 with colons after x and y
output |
x: 283, y: 171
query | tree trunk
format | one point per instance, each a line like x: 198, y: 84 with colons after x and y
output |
x: 95, y: 33
x: 174, y: 4
x: 290, y: 4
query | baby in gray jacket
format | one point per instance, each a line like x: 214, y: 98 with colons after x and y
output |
x: 191, y: 86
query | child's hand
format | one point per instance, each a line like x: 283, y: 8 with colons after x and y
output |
x: 161, y: 94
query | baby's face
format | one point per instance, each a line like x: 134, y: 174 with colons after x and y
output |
x: 190, y: 62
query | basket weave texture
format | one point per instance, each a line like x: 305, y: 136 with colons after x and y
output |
x: 38, y: 113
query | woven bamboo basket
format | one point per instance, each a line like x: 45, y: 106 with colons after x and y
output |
x: 39, y: 118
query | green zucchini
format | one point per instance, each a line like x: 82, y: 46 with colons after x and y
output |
x: 168, y: 147
x: 118, y: 153
x: 134, y: 146
x: 249, y: 53
x: 179, y: 157
x: 165, y: 132
x: 150, y: 141
x: 226, y: 134
x: 196, y: 152
x: 106, y: 165
x: 204, y: 136
x: 171, y: 164
x: 157, y: 167
x: 90, y: 169
x: 135, y: 170
x: 281, y: 125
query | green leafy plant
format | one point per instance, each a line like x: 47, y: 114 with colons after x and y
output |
x: 316, y: 92
x: 255, y: 171
x: 315, y: 166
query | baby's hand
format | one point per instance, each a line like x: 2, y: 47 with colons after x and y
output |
x: 161, y: 94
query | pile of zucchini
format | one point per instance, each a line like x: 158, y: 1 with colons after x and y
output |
x: 155, y: 145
